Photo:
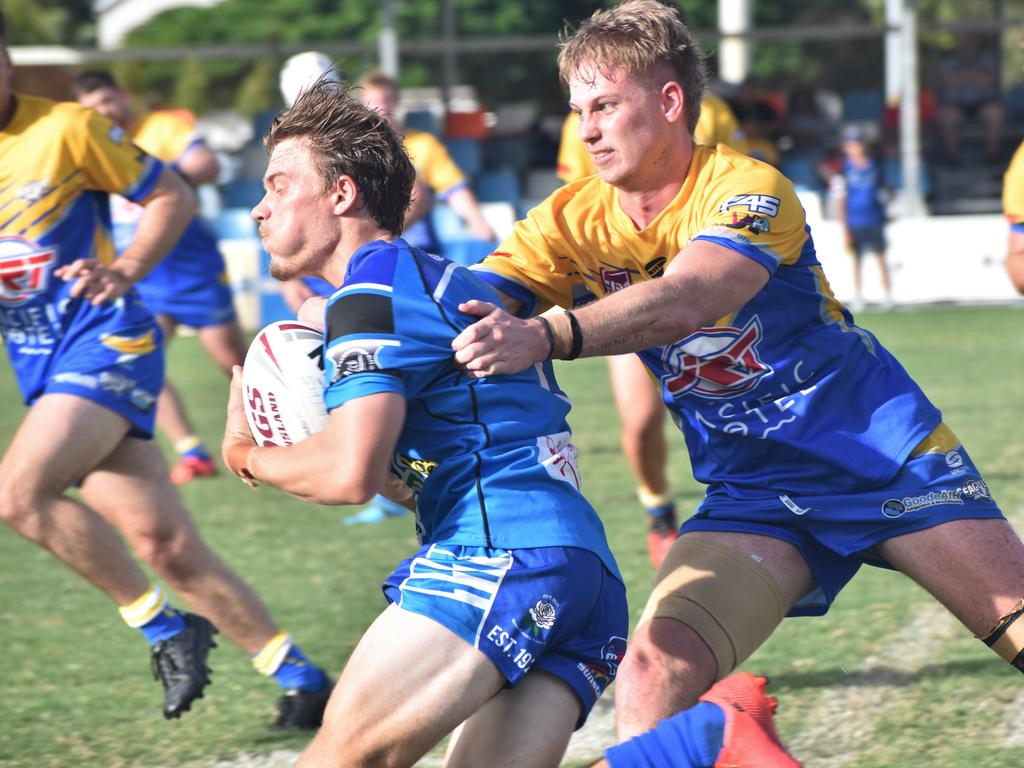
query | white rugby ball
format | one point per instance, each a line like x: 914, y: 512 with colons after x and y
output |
x: 283, y: 383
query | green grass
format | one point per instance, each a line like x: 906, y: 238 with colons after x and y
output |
x: 881, y: 679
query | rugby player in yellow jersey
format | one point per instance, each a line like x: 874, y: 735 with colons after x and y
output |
x: 637, y: 399
x: 86, y: 354
x: 819, y: 451
x: 190, y: 286
x: 1013, y: 208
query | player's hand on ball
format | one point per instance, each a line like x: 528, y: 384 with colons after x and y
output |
x: 238, y: 440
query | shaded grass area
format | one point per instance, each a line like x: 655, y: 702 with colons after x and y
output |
x: 77, y: 690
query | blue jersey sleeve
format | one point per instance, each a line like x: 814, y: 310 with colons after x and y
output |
x: 380, y: 338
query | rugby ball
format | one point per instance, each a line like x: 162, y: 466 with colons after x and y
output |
x: 302, y: 70
x: 283, y: 383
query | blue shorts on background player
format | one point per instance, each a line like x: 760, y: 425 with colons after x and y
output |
x: 513, y: 609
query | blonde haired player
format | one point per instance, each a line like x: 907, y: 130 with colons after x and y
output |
x: 819, y: 451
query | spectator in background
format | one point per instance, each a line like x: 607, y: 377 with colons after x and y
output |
x: 755, y: 120
x: 860, y: 195
x: 190, y: 286
x: 968, y: 90
x: 1013, y: 207
x: 435, y: 169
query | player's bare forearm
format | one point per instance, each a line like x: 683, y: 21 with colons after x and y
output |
x: 167, y: 211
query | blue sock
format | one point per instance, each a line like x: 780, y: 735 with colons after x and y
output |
x: 166, y: 624
x: 690, y: 739
x: 192, y: 447
x: 296, y: 671
x: 665, y: 510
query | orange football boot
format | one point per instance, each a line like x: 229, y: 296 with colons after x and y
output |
x: 750, y: 739
x: 189, y: 468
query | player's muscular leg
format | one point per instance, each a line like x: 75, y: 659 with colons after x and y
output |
x: 224, y: 344
x: 131, y: 490
x: 747, y: 584
x: 973, y: 567
x: 408, y: 683
x: 526, y: 725
x: 61, y: 439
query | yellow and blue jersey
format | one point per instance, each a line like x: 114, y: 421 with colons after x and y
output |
x: 787, y: 394
x: 434, y: 166
x: 1013, y: 191
x: 59, y: 163
x: 190, y: 283
x: 490, y: 460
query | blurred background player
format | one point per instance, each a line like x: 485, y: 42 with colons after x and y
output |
x: 189, y: 287
x: 510, y: 618
x: 637, y: 399
x: 86, y: 354
x: 860, y: 195
x: 1013, y: 208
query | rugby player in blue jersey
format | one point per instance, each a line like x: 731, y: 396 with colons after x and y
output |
x: 819, y: 451
x: 511, y: 616
x: 86, y: 354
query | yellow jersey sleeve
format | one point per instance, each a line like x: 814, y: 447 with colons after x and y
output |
x: 165, y: 136
x: 750, y: 207
x: 574, y: 161
x: 107, y: 158
x: 534, y: 263
x: 434, y: 166
x: 1013, y: 189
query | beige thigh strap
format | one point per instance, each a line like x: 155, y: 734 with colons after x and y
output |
x: 726, y: 597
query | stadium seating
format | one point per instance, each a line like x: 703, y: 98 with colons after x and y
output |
x: 421, y: 120
x: 466, y: 153
x: 863, y: 106
x: 498, y: 186
x: 243, y: 192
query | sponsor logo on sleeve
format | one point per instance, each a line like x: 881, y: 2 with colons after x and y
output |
x: 357, y: 356
x: 765, y: 205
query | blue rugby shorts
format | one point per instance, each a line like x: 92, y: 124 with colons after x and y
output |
x: 552, y: 608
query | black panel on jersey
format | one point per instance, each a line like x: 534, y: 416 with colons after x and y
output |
x: 360, y: 313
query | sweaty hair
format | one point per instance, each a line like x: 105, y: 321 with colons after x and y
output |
x: 347, y: 139
x: 640, y: 38
x: 92, y: 80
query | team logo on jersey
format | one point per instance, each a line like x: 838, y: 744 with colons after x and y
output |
x: 715, y: 362
x: 765, y: 205
x: 24, y: 269
x: 357, y: 356
x: 615, y: 279
x: 655, y: 267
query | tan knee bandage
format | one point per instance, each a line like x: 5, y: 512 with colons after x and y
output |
x: 1007, y: 639
x: 724, y: 596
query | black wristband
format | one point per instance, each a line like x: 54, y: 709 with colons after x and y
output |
x: 577, y: 337
x: 551, y: 336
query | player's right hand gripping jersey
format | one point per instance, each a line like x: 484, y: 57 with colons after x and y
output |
x: 58, y: 161
x: 787, y: 395
x: 490, y: 460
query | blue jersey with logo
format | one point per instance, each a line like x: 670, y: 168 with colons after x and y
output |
x: 787, y: 394
x: 58, y: 164
x: 490, y: 460
x: 864, y: 206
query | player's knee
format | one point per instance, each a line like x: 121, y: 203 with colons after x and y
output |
x: 169, y: 549
x: 20, y: 507
x: 1007, y: 637
x: 725, y: 598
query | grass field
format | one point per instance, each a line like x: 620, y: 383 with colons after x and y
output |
x: 886, y: 679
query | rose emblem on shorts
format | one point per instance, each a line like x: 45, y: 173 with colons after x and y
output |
x: 543, y: 614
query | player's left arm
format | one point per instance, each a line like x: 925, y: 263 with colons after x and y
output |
x: 346, y: 463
